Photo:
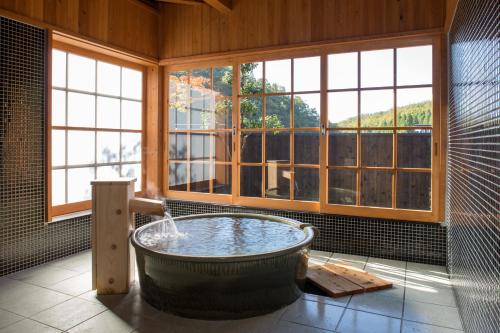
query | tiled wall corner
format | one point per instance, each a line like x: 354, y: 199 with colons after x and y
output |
x: 473, y: 200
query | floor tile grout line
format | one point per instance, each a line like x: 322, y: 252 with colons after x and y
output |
x: 434, y: 325
x: 302, y: 324
x: 68, y: 329
x: 48, y: 287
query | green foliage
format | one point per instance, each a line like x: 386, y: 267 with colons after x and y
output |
x: 277, y: 107
x: 408, y: 115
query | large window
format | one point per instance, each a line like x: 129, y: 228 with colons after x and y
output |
x: 380, y: 128
x: 96, y: 126
x: 338, y: 130
x: 279, y: 129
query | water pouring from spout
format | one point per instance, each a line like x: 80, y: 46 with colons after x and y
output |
x: 168, y: 228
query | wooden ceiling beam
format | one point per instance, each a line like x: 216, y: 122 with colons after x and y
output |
x: 223, y: 6
x: 183, y: 2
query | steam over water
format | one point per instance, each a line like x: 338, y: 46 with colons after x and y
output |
x: 222, y: 236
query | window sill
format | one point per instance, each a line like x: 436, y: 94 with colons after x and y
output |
x: 69, y: 216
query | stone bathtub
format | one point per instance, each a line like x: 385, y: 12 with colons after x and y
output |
x: 226, y: 266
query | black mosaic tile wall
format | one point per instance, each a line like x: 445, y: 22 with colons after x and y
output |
x: 473, y: 200
x: 410, y: 241
x: 25, y: 239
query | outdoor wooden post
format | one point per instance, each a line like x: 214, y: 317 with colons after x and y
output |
x: 113, y: 207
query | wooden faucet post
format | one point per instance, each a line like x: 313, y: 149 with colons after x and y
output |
x: 113, y: 207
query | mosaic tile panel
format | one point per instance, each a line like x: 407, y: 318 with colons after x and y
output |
x: 26, y: 239
x: 473, y: 200
x: 409, y: 241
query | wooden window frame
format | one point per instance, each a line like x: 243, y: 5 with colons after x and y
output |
x: 435, y: 214
x: 59, y: 42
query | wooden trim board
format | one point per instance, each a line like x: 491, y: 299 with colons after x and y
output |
x: 341, y: 280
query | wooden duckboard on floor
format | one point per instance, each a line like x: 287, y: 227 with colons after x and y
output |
x: 342, y: 280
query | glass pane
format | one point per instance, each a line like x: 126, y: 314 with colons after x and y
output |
x: 58, y: 108
x: 222, y: 146
x: 278, y: 147
x: 307, y: 74
x: 81, y: 147
x: 278, y: 75
x: 179, y: 94
x: 108, y: 112
x: 278, y: 111
x: 306, y: 184
x: 58, y: 68
x: 81, y: 110
x: 306, y: 147
x: 177, y: 143
x: 342, y: 148
x: 177, y: 176
x: 414, y: 190
x: 343, y: 70
x: 251, y: 112
x: 414, y: 106
x: 223, y: 113
x: 200, y: 146
x: 223, y: 80
x: 376, y: 148
x: 414, y: 65
x: 131, y: 83
x: 342, y: 187
x: 133, y: 171
x: 202, y: 110
x: 307, y: 109
x: 81, y: 73
x: 377, y: 108
x: 58, y: 187
x: 131, y: 115
x: 108, y: 147
x: 277, y: 182
x: 343, y: 109
x: 58, y: 148
x: 131, y: 147
x: 108, y: 172
x: 79, y: 188
x: 376, y: 189
x: 250, y: 181
x: 200, y: 80
x: 108, y: 79
x: 377, y: 68
x: 251, y: 78
x: 414, y: 149
x: 251, y: 147
x: 200, y: 177
x: 222, y: 180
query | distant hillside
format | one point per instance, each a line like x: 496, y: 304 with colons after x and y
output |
x: 409, y: 115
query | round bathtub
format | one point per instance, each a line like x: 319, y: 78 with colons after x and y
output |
x: 226, y: 266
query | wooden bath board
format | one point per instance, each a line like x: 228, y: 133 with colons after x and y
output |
x: 342, y: 280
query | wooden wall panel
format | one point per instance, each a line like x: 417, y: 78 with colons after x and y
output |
x: 126, y: 24
x: 195, y: 30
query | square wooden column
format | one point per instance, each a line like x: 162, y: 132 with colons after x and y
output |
x: 112, y: 223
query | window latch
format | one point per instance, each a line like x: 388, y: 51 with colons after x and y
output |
x: 322, y: 129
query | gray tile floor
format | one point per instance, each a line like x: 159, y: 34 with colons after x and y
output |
x: 57, y: 297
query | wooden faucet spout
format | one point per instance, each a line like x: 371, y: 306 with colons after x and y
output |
x: 147, y: 206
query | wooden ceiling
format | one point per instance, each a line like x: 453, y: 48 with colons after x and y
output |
x: 223, y: 6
